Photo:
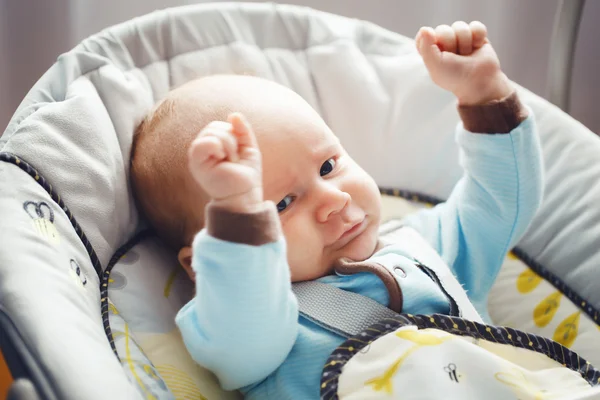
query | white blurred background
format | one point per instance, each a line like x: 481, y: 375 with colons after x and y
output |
x: 34, y: 32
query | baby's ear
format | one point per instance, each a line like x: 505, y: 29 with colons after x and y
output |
x: 185, y: 259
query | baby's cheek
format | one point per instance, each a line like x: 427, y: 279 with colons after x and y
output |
x: 304, y: 265
x: 364, y: 191
x: 303, y: 251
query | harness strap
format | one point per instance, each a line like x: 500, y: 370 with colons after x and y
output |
x: 339, y: 311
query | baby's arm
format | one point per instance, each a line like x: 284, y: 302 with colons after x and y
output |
x: 243, y: 320
x: 492, y: 205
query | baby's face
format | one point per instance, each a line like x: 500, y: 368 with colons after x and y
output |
x: 328, y: 205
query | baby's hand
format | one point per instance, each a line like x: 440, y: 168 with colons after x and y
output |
x: 461, y: 59
x: 225, y: 160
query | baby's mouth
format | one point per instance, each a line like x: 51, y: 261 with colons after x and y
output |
x: 351, y: 232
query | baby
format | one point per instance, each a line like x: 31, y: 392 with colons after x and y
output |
x: 250, y: 185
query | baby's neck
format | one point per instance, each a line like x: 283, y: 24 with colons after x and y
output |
x: 380, y: 245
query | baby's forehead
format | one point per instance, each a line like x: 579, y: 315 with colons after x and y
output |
x: 279, y: 117
x: 296, y: 155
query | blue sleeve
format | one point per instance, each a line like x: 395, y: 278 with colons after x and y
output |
x: 490, y: 207
x: 243, y: 320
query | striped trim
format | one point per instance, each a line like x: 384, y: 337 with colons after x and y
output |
x: 104, y: 284
x: 539, y: 269
x: 457, y: 326
x: 410, y: 195
x: 25, y: 166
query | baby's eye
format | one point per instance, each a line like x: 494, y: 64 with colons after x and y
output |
x: 327, y: 167
x: 283, y: 204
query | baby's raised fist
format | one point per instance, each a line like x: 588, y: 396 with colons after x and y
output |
x: 225, y: 161
x: 461, y: 59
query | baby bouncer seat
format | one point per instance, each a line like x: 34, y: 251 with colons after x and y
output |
x: 88, y: 294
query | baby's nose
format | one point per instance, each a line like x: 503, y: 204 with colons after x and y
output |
x: 333, y: 202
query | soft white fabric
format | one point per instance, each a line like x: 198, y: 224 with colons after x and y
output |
x: 76, y: 126
x: 412, y: 363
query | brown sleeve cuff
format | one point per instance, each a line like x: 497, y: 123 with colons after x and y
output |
x: 501, y: 116
x: 255, y: 229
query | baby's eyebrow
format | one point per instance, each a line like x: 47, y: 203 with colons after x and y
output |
x: 325, y: 151
x: 281, y: 187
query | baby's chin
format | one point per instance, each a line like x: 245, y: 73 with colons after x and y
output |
x: 359, y: 249
x: 363, y: 246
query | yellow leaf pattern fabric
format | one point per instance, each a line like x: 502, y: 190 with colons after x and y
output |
x: 566, y: 333
x: 527, y: 281
x: 170, y: 280
x: 545, y: 310
x: 522, y: 298
x: 420, y: 339
x: 518, y: 382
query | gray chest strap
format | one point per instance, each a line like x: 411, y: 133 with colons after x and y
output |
x: 337, y: 310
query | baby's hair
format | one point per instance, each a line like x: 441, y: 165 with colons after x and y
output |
x: 155, y: 195
x: 165, y: 191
